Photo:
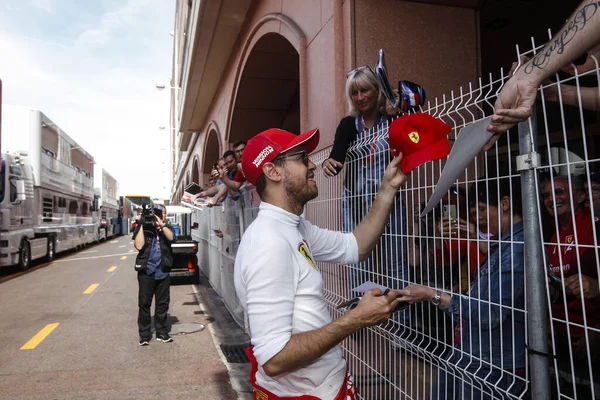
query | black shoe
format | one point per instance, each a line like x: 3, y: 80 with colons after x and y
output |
x: 144, y: 342
x: 165, y: 338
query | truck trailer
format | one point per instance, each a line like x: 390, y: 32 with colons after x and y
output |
x: 106, y: 188
x: 47, y: 204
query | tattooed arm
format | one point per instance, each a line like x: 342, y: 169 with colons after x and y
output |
x: 516, y: 99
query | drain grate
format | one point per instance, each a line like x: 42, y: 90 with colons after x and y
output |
x: 235, y: 353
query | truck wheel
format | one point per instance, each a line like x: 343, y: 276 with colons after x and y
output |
x: 24, y: 256
x: 51, y: 249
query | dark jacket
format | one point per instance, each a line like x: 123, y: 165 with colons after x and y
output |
x: 165, y: 250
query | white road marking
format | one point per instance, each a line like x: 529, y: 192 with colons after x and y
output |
x: 123, y: 245
x: 90, y: 258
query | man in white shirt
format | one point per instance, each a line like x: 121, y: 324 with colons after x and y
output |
x: 295, y: 342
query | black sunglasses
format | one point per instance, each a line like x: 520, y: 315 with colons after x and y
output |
x: 302, y: 153
x: 355, y: 70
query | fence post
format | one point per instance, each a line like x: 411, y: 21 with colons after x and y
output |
x: 535, y: 285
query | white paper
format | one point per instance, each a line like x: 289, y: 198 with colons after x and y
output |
x: 469, y: 142
x: 365, y: 287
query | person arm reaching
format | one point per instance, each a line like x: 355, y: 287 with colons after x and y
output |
x: 218, y: 197
x: 232, y: 185
x: 516, y: 99
x: 304, y: 348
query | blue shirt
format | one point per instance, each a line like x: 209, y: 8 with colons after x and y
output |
x: 154, y: 265
x: 493, y: 326
x: 236, y: 194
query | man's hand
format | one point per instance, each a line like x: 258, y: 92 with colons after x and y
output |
x: 394, y: 177
x: 589, y: 289
x: 331, y: 166
x: 223, y: 172
x: 451, y: 226
x: 374, y: 307
x: 514, y: 105
x: 416, y: 294
x: 158, y: 223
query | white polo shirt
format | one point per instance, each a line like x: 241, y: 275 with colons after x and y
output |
x: 280, y: 288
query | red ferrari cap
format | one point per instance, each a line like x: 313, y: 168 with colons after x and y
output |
x: 420, y: 138
x: 267, y: 145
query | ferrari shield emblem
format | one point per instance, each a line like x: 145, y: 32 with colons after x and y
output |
x: 303, y: 249
x: 414, y: 136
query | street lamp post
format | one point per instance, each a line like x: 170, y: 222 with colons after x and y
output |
x: 174, y: 86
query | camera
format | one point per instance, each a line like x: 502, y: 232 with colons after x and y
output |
x: 148, y: 215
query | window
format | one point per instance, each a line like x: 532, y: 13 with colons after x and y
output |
x: 13, y: 189
x: 73, y: 207
x: 47, y: 208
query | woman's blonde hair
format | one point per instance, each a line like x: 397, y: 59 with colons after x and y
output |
x: 363, y: 79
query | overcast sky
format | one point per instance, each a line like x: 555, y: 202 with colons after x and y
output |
x: 92, y: 67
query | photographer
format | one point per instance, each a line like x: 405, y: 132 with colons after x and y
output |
x: 153, y: 264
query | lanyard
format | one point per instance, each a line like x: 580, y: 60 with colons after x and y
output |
x: 362, y: 130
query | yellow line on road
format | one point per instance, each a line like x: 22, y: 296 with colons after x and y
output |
x: 124, y: 258
x: 41, y: 335
x: 131, y: 251
x: 111, y: 269
x: 91, y: 288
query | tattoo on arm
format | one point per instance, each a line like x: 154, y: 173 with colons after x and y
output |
x: 561, y: 41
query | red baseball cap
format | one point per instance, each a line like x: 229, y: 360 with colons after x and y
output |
x: 267, y: 145
x: 420, y: 138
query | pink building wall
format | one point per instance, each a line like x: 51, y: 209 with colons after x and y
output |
x: 420, y: 41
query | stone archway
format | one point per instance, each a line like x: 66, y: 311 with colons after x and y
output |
x: 268, y: 94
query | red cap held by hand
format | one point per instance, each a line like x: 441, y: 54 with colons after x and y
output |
x: 420, y: 138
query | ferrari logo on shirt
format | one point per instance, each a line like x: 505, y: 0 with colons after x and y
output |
x: 303, y: 249
x: 569, y: 239
x: 414, y: 137
x: 260, y: 395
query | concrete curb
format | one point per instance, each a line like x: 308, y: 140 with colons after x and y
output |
x: 224, y: 330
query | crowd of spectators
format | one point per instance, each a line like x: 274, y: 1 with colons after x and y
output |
x: 226, y: 178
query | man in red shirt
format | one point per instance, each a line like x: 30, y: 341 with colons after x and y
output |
x: 572, y: 267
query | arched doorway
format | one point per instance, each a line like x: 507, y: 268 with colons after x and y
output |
x: 268, y: 94
x: 212, y: 153
x: 195, y: 172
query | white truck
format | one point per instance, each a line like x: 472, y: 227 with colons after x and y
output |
x: 106, y: 188
x: 47, y: 203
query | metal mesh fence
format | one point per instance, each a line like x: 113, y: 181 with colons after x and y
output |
x: 514, y: 243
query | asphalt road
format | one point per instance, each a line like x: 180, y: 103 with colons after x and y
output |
x: 69, y: 332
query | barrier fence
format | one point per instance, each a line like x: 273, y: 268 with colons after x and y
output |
x: 522, y: 317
